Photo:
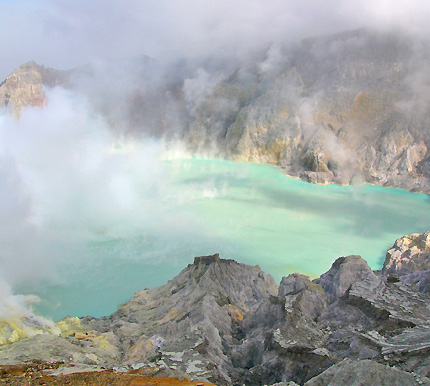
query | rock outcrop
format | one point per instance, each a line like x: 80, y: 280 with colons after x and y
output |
x: 409, y: 254
x: 228, y: 323
x: 281, y: 338
x: 25, y: 86
x: 343, y: 273
x: 190, y: 323
x: 409, y: 261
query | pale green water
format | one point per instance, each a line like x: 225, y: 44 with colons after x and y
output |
x: 247, y: 212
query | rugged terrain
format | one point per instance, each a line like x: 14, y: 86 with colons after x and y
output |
x: 228, y: 323
x: 344, y: 108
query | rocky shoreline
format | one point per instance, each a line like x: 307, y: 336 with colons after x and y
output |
x: 228, y: 323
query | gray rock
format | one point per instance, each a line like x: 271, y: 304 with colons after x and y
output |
x: 420, y: 281
x: 365, y: 373
x: 379, y: 319
x: 229, y: 323
x: 409, y: 254
x: 344, y: 272
x: 190, y: 322
x: 281, y: 338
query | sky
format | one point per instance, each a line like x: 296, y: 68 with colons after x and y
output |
x: 65, y: 34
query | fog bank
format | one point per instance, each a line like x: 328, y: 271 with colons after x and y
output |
x: 64, y: 35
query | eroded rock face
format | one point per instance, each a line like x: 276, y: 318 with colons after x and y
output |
x: 281, y: 339
x: 408, y: 255
x: 344, y: 272
x: 338, y: 110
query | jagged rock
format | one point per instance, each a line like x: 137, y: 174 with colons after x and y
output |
x: 190, y: 322
x: 365, y: 373
x: 409, y: 254
x: 389, y: 302
x: 228, y: 322
x: 298, y: 290
x: 281, y: 339
x: 376, y: 319
x: 344, y: 272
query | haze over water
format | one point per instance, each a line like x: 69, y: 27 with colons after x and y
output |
x: 248, y: 212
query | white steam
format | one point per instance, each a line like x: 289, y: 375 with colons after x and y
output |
x: 66, y: 177
x: 17, y: 318
x: 62, y: 34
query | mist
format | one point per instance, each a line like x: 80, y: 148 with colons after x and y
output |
x: 63, y: 35
x: 69, y: 177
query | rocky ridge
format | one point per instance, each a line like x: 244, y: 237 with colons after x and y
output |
x: 228, y: 323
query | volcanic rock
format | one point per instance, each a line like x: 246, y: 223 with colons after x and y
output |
x: 227, y: 322
x: 52, y: 348
x: 409, y: 254
x: 365, y: 372
x: 190, y: 323
x: 344, y: 272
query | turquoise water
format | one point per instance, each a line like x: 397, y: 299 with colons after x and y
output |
x: 248, y: 212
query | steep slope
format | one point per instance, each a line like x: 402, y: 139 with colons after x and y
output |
x: 343, y: 108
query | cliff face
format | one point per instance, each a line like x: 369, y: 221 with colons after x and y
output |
x: 337, y: 109
x: 229, y: 323
x: 344, y: 108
